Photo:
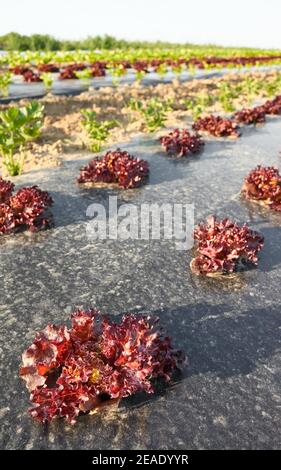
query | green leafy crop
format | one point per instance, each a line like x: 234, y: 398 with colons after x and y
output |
x: 48, y: 80
x: 5, y: 80
x: 198, y: 104
x: 226, y: 95
x: 18, y: 126
x: 98, y: 131
x: 153, y: 111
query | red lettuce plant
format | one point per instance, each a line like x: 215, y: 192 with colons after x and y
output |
x: 272, y: 106
x: 24, y: 209
x: 217, y: 126
x: 141, y: 66
x: 103, y: 64
x: 117, y: 167
x: 180, y: 142
x: 222, y: 244
x: 263, y: 185
x: 98, y: 69
x: 250, y: 116
x: 6, y: 189
x: 74, y: 370
x: 194, y: 62
x: 31, y: 76
x: 69, y: 71
x: 20, y: 69
x: 48, y: 68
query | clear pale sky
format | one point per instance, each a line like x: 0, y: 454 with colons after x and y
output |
x: 226, y: 22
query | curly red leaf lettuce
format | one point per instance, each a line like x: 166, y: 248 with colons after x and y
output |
x: 116, y: 167
x: 222, y: 244
x: 24, y: 209
x: 217, y: 126
x: 181, y: 142
x: 263, y: 185
x: 250, y: 116
x: 69, y: 371
x: 272, y: 106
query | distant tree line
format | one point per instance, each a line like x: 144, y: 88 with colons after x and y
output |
x: 14, y: 41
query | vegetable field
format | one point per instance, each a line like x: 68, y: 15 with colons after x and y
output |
x: 107, y: 340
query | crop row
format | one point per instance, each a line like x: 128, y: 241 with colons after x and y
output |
x: 133, y: 54
x: 69, y: 371
x: 97, y: 362
x: 33, y: 73
x: 21, y: 125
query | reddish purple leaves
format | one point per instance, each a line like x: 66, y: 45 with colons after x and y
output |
x: 68, y: 72
x: 115, y: 167
x: 263, y: 185
x: 221, y: 245
x: 257, y: 115
x: 48, y: 68
x: 31, y: 76
x: 6, y: 189
x: 181, y: 142
x: 98, y: 69
x: 20, y: 69
x: 217, y: 126
x: 272, y: 106
x: 69, y: 371
x: 24, y: 209
x: 250, y: 116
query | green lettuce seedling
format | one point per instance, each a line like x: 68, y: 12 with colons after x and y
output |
x: 18, y: 126
x: 98, y: 131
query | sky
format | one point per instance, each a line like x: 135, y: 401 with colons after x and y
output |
x: 253, y: 23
